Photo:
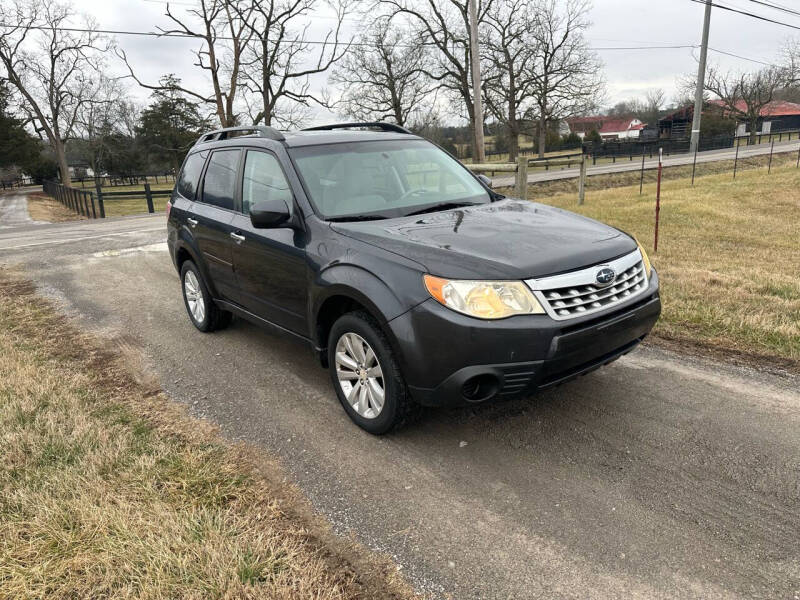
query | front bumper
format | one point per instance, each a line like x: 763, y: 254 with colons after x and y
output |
x: 451, y: 359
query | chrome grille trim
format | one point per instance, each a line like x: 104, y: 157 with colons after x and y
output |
x: 578, y: 294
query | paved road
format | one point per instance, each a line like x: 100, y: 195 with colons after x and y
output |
x: 661, y: 476
x: 674, y: 160
x: 14, y: 210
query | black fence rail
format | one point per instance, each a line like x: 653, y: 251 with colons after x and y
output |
x: 81, y: 201
x: 125, y: 180
x: 145, y: 193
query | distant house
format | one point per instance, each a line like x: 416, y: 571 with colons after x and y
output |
x: 610, y: 128
x: 775, y: 117
x: 80, y: 170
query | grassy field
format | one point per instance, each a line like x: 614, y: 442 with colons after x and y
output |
x: 109, y: 490
x: 728, y: 256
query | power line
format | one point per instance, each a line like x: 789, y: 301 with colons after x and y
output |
x: 776, y: 7
x: 175, y: 34
x: 747, y: 14
x: 761, y: 62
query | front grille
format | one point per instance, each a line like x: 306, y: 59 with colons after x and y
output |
x: 578, y: 293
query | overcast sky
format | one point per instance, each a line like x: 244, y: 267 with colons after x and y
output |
x: 615, y: 23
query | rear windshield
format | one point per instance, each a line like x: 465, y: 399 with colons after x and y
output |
x: 383, y: 178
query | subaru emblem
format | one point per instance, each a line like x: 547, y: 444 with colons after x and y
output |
x: 605, y: 276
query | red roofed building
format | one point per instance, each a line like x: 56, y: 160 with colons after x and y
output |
x: 776, y: 116
x: 611, y: 128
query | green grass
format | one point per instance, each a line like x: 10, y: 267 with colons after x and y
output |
x: 728, y: 255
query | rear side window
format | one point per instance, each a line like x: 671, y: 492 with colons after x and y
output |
x: 219, y: 184
x: 263, y: 180
x: 190, y: 175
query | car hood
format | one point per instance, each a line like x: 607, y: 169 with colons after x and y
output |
x: 509, y: 239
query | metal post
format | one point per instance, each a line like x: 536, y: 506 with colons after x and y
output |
x: 694, y: 165
x: 769, y: 164
x: 582, y: 178
x: 641, y: 177
x: 149, y: 196
x: 736, y: 161
x: 521, y: 183
x: 658, y: 202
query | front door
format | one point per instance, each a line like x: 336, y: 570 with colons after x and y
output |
x: 270, y: 264
x: 211, y: 221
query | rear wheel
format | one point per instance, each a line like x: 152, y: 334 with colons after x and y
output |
x: 203, y: 312
x: 366, y: 375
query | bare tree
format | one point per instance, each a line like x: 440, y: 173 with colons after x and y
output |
x: 281, y: 60
x: 383, y: 76
x: 55, y: 70
x: 221, y: 27
x: 567, y: 74
x: 510, y: 47
x: 744, y: 95
x: 445, y: 26
x: 790, y: 62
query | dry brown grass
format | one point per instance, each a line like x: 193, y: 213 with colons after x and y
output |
x: 728, y: 256
x: 47, y: 209
x: 109, y: 490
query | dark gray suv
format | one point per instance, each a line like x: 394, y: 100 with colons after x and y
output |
x: 413, y: 281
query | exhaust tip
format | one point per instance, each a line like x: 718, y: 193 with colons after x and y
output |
x: 480, y: 388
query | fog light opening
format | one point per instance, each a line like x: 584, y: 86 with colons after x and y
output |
x: 480, y: 388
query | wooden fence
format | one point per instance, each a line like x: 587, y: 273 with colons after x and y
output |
x: 81, y: 201
x: 523, y: 165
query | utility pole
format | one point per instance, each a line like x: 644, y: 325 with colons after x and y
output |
x: 701, y: 82
x: 477, y: 101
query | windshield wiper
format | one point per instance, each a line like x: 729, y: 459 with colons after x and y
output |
x: 356, y: 218
x: 442, y: 206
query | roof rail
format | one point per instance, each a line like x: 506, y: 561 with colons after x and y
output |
x: 257, y: 131
x: 375, y: 125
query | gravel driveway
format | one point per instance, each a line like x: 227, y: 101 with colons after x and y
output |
x: 660, y: 476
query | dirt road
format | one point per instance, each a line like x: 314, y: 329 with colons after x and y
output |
x: 660, y: 476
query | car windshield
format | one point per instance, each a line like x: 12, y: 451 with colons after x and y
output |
x: 383, y: 179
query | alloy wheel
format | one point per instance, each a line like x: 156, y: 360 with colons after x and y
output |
x: 360, y: 375
x: 194, y: 296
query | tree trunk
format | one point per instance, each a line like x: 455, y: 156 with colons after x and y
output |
x: 542, y: 135
x: 61, y: 159
x: 753, y: 130
x: 513, y: 140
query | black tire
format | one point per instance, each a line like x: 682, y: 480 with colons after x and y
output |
x: 399, y: 408
x: 214, y: 318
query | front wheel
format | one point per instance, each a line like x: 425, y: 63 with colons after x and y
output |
x: 366, y: 376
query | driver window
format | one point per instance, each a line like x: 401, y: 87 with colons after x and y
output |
x: 263, y: 180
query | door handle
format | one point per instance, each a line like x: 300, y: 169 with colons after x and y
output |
x: 192, y: 222
x: 238, y: 238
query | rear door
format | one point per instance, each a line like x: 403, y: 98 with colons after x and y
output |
x: 212, y: 216
x: 270, y: 264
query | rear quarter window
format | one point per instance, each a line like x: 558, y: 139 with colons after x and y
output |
x: 219, y: 184
x: 190, y: 175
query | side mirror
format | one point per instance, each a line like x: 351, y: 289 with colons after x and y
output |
x: 486, y: 180
x: 269, y: 213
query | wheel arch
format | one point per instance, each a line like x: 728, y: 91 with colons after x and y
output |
x: 347, y: 289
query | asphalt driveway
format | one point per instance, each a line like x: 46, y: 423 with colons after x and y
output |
x: 660, y: 476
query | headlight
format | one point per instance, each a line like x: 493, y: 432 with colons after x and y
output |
x: 484, y: 299
x: 645, y: 258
